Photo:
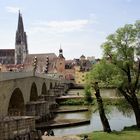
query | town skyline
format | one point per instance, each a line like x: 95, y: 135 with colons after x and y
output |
x: 80, y: 28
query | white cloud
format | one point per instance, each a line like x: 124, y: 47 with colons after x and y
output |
x: 60, y: 26
x: 66, y: 26
x: 12, y: 9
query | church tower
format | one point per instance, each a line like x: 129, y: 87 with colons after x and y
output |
x: 60, y: 65
x: 21, y: 47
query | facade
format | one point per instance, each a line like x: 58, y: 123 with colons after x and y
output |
x: 82, y: 67
x: 48, y: 63
x: 60, y: 64
x: 7, y: 56
x: 80, y: 76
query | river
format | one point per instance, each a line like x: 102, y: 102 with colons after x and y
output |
x: 116, y: 118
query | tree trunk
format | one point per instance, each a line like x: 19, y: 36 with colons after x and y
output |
x: 103, y: 117
x: 136, y: 109
x: 133, y: 101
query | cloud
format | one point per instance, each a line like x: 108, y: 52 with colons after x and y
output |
x: 12, y: 9
x: 68, y: 26
x: 60, y: 26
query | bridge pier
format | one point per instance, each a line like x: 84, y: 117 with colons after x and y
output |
x: 11, y: 127
x: 24, y: 94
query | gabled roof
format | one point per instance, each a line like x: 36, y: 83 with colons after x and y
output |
x: 40, y: 57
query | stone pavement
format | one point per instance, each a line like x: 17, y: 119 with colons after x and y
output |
x: 61, y: 138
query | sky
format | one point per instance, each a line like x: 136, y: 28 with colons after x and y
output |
x: 78, y: 26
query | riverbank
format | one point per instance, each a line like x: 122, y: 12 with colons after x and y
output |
x: 123, y: 135
x: 61, y: 138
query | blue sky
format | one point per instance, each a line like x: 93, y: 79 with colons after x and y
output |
x: 80, y: 26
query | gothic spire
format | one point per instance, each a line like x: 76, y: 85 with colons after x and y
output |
x: 20, y: 24
x: 20, y: 35
x: 21, y: 45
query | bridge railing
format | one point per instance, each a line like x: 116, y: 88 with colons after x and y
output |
x: 14, y: 75
x: 17, y: 75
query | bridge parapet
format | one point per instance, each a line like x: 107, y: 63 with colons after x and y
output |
x: 17, y: 75
x: 14, y: 75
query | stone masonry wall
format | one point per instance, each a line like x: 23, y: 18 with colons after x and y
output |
x: 14, y: 126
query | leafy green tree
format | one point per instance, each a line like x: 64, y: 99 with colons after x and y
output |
x: 122, y: 65
x: 98, y: 74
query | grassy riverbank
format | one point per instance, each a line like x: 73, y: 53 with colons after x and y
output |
x: 129, y: 133
x: 124, y: 135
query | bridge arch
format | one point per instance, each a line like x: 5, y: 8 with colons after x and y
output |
x: 51, y: 85
x: 33, y: 92
x: 44, y: 89
x: 16, y: 103
x: 55, y: 84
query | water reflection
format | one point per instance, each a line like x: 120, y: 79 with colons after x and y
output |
x: 116, y: 119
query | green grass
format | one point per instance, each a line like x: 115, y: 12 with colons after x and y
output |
x: 74, y: 102
x: 124, y: 135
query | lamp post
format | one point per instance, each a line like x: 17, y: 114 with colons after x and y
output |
x: 34, y: 65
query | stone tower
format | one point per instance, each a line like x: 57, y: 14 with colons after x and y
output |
x: 60, y: 65
x: 21, y: 47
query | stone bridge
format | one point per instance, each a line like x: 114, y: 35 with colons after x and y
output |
x: 22, y: 93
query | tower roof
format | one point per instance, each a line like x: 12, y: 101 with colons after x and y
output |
x: 61, y: 53
x: 20, y: 27
x: 21, y: 37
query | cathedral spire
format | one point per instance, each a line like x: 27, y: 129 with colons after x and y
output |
x: 21, y: 46
x: 20, y: 24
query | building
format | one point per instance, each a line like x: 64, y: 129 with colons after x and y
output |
x: 21, y: 47
x: 82, y: 68
x: 41, y: 62
x: 19, y: 59
x: 17, y: 55
x: 7, y: 56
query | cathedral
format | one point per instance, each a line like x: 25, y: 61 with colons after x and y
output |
x: 21, y: 46
x: 19, y: 59
x: 17, y: 55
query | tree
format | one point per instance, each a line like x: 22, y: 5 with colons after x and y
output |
x: 98, y: 74
x: 103, y: 117
x: 122, y: 53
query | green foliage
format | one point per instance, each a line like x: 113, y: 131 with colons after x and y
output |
x: 123, y: 51
x: 75, y: 102
x: 130, y: 128
x: 120, y: 64
x: 105, y: 73
x: 124, y: 107
x: 72, y: 102
x: 88, y: 95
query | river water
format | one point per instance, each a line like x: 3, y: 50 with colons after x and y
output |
x: 116, y: 118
